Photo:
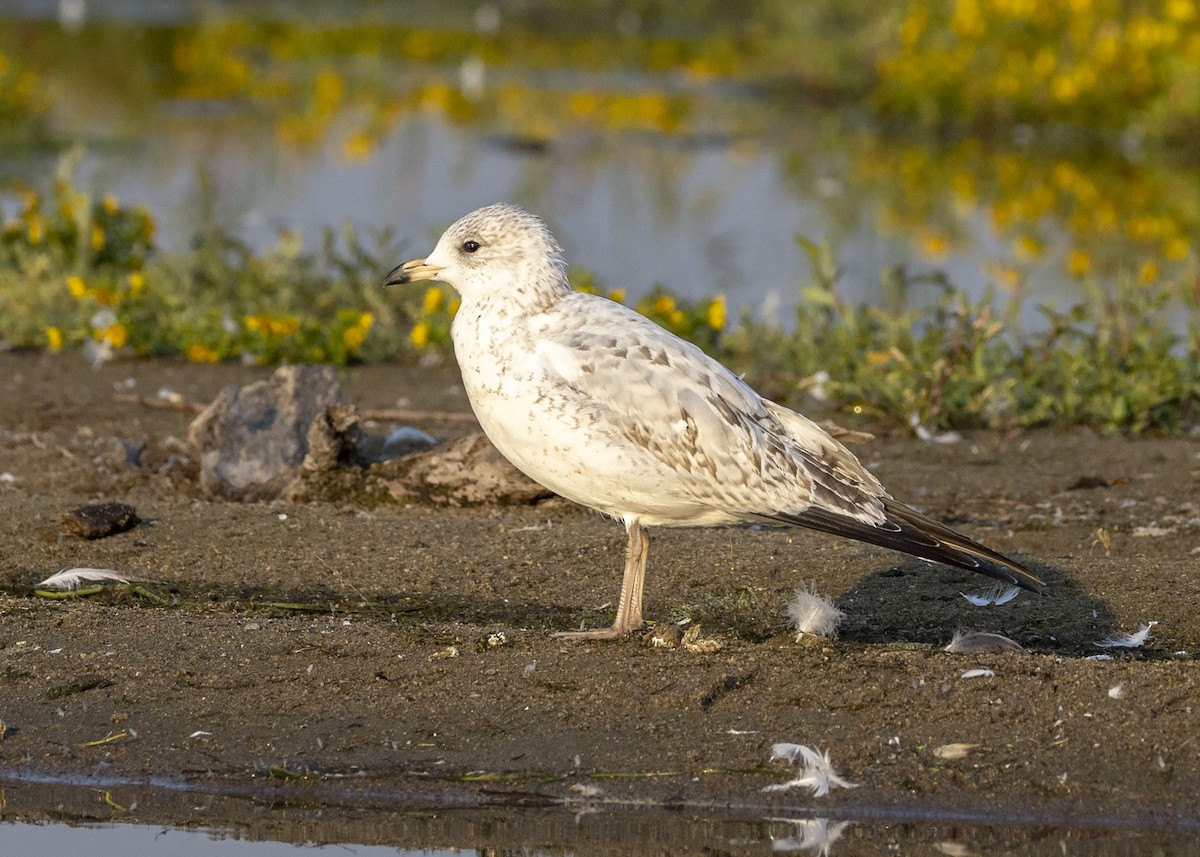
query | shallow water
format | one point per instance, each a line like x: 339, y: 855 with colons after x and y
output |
x: 55, y: 819
x: 117, y: 840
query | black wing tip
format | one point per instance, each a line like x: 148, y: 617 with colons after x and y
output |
x: 1012, y: 572
x: 912, y: 533
x: 962, y: 551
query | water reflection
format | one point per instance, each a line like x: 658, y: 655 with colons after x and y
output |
x: 55, y: 819
x: 120, y: 840
x: 664, y: 147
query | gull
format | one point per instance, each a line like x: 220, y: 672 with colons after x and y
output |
x: 608, y: 409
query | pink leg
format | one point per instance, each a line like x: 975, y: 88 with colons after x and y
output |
x: 629, y: 609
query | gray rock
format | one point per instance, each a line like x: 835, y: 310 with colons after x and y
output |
x: 466, y: 472
x: 251, y: 441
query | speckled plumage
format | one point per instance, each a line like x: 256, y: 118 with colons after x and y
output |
x: 608, y: 409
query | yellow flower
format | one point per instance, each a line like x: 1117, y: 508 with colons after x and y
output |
x: 1177, y: 248
x: 54, y: 338
x: 617, y: 295
x: 36, y: 230
x: 110, y: 204
x: 583, y: 104
x: 358, y: 147
x: 1008, y: 277
x: 97, y: 238
x: 676, y: 318
x: 285, y: 326
x: 1065, y: 87
x: 1028, y: 247
x: 1079, y: 262
x: 366, y: 320
x: 716, y: 313
x: 1148, y: 273
x: 76, y: 286
x: 353, y: 337
x: 453, y: 308
x: 913, y: 25
x: 329, y: 91
x: 934, y: 245
x: 664, y: 304
x: 116, y: 334
x: 1181, y: 10
x: 198, y: 353
x: 419, y: 334
x: 967, y: 21
x: 433, y: 300
x: 137, y: 282
x: 1044, y: 62
x: 264, y: 324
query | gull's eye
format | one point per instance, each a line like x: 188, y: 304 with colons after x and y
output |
x: 470, y: 246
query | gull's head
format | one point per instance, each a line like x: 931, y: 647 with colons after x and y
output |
x: 500, y: 250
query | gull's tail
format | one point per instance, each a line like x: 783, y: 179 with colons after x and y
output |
x: 910, y: 532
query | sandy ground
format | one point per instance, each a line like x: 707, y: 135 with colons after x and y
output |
x: 340, y: 655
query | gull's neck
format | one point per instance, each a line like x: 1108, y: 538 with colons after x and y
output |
x: 535, y: 286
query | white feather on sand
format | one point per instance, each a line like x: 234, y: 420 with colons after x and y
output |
x: 815, y: 772
x: 810, y: 613
x: 72, y: 578
x: 1127, y: 641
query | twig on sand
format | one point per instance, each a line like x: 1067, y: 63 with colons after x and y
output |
x: 381, y: 414
x: 161, y: 404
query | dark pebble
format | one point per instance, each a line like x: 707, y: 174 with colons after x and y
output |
x: 102, y: 519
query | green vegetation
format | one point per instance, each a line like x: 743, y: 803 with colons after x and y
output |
x: 1121, y: 360
x: 77, y: 271
x: 22, y: 107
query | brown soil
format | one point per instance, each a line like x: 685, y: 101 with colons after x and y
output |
x: 383, y: 655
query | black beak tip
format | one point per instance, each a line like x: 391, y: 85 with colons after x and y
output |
x: 396, y: 277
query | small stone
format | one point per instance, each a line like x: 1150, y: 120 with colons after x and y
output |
x: 98, y: 520
x: 82, y: 684
x: 665, y: 635
x: 954, y: 751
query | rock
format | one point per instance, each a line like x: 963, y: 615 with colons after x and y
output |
x: 101, y: 519
x: 289, y: 437
x: 333, y: 439
x: 466, y: 472
x: 251, y: 441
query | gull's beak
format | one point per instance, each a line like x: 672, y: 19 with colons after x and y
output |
x: 411, y: 272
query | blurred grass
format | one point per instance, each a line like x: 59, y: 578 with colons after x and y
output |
x: 1123, y: 358
x: 81, y: 272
